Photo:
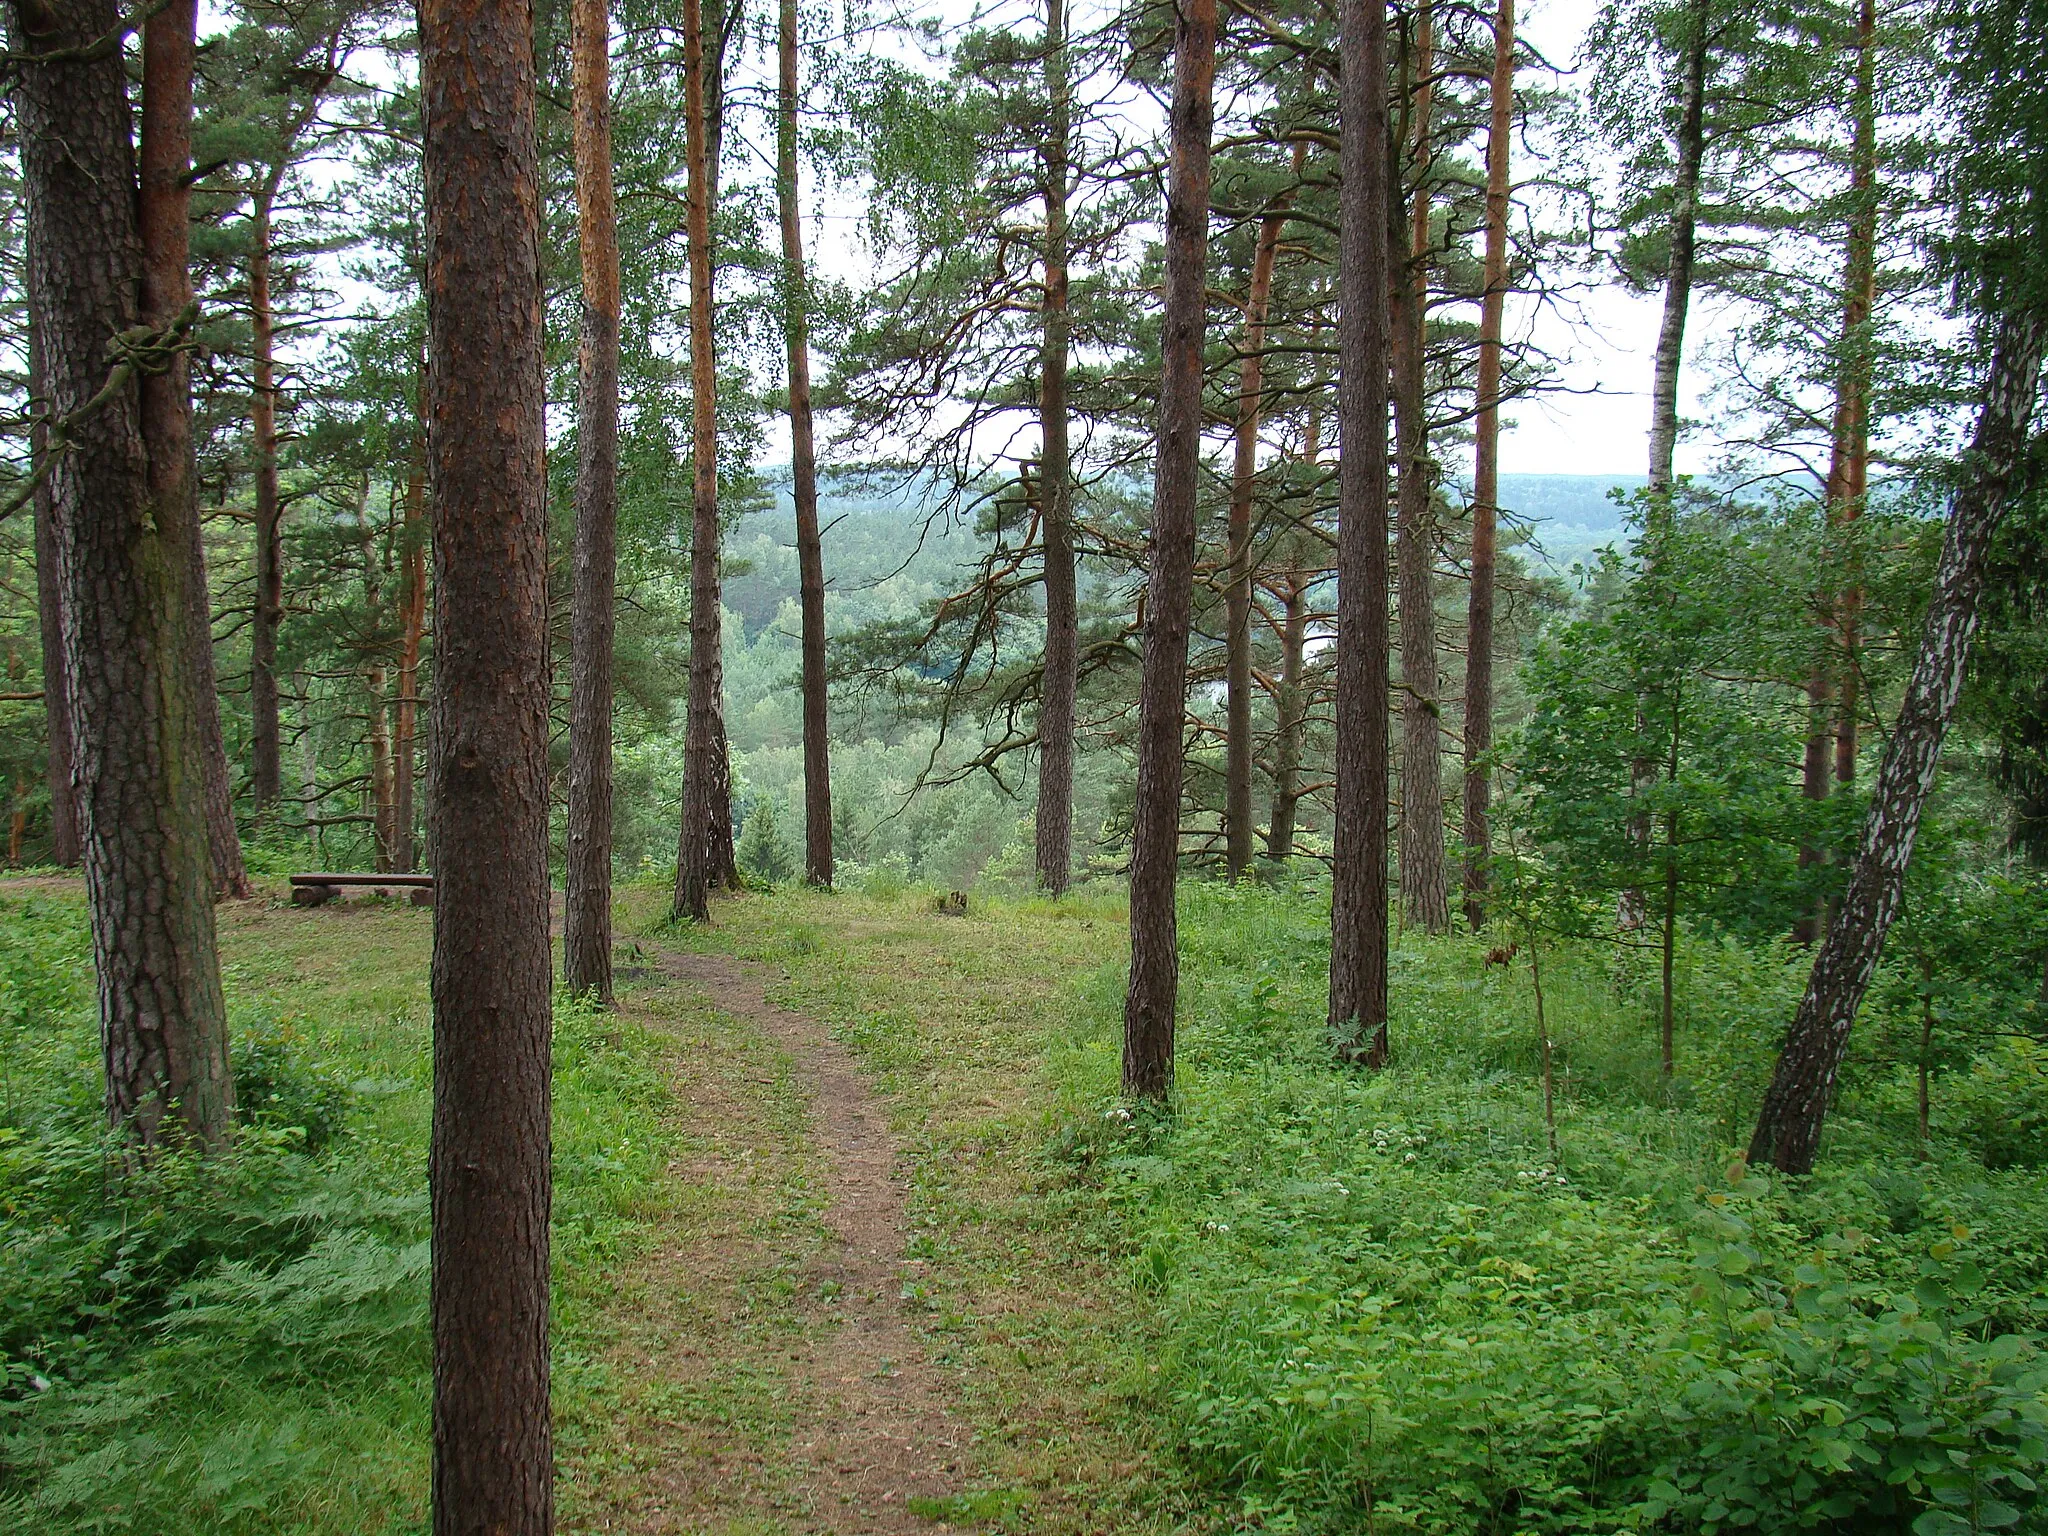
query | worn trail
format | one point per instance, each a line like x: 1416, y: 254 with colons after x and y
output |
x: 864, y: 1421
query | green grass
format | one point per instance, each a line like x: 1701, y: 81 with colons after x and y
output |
x: 1314, y: 1299
x: 1308, y: 1299
x: 241, y: 1345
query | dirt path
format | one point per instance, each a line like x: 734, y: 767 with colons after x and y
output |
x: 808, y: 1317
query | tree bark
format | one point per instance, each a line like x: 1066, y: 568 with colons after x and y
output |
x: 1486, y: 472
x: 50, y: 623
x: 164, y: 221
x: 488, y: 772
x: 803, y: 467
x: 1237, y: 799
x: 1788, y: 1127
x: 412, y: 616
x: 1162, y: 698
x: 266, y: 766
x: 587, y: 894
x: 1831, y: 699
x: 1054, y: 831
x: 1849, y: 461
x: 1358, y: 911
x: 702, y: 773
x: 1685, y: 187
x: 376, y: 685
x: 1289, y: 706
x: 122, y: 573
x: 1425, y: 884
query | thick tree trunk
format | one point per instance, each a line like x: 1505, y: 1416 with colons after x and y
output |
x: 1685, y: 189
x: 1358, y: 906
x: 702, y: 772
x: 1486, y: 472
x: 266, y: 767
x: 122, y: 573
x: 803, y: 467
x: 1788, y: 1127
x: 1054, y: 832
x: 488, y: 772
x: 1425, y: 884
x: 1162, y: 697
x: 1251, y: 388
x: 587, y: 894
x: 50, y: 623
x: 164, y: 221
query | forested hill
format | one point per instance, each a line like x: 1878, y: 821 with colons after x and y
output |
x: 884, y: 557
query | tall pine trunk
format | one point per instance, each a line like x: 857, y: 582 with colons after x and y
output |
x: 266, y: 767
x: 1289, y: 708
x: 489, y: 1163
x: 1054, y: 831
x: 1486, y: 472
x: 1788, y: 1127
x: 587, y: 893
x: 1849, y: 462
x: 164, y: 220
x: 412, y: 618
x: 1238, y: 684
x: 703, y: 773
x: 1425, y: 892
x: 803, y: 466
x: 1358, y: 908
x: 1162, y: 695
x: 122, y: 574
x: 50, y: 622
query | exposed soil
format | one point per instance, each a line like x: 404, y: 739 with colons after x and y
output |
x: 869, y: 1421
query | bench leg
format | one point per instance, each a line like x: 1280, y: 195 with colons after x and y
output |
x: 422, y: 896
x: 314, y: 895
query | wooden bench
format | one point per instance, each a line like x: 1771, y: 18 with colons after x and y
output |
x: 317, y: 889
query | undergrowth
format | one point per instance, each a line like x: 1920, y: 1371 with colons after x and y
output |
x: 1382, y: 1306
x: 239, y: 1343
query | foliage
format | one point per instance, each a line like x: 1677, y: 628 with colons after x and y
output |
x: 1382, y: 1307
x: 239, y: 1343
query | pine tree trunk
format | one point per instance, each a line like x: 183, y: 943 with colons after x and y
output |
x: 50, y: 624
x: 1358, y: 915
x: 1486, y: 472
x: 266, y: 766
x: 1162, y: 697
x: 587, y: 892
x: 1849, y: 465
x: 1788, y: 1127
x: 803, y: 468
x: 1054, y: 832
x: 488, y: 772
x: 163, y: 219
x: 122, y: 575
x: 702, y: 772
x: 412, y: 627
x: 1289, y: 706
x: 1237, y: 815
x: 1685, y: 186
x: 1425, y: 883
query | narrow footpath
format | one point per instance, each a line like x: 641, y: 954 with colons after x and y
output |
x: 780, y: 1382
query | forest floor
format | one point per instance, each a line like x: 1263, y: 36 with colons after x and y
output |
x: 854, y: 1314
